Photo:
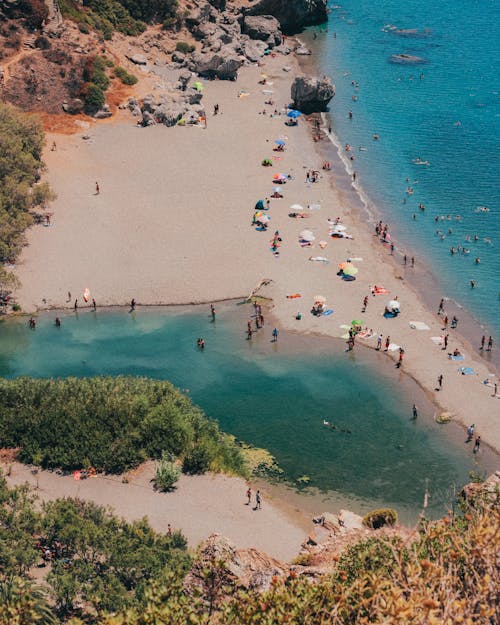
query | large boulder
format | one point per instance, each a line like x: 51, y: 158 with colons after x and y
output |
x: 263, y: 28
x: 254, y: 50
x: 170, y: 113
x: 310, y: 94
x: 293, y: 15
x: 137, y: 59
x: 73, y: 106
x: 223, y: 64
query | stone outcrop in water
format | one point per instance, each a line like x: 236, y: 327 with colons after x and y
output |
x: 311, y: 95
x: 407, y: 59
x: 293, y: 15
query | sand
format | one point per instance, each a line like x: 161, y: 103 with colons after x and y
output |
x: 172, y: 221
x: 200, y: 506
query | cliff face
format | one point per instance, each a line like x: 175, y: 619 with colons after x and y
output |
x: 293, y: 15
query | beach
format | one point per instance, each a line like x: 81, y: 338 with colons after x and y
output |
x: 172, y: 225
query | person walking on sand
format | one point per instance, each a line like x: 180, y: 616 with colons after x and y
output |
x: 365, y: 303
x: 445, y: 322
x: 249, y: 496
x: 413, y: 261
x: 470, y: 433
x: 495, y: 390
x: 97, y: 189
x: 401, y: 355
x: 415, y: 411
x: 132, y: 305
x: 75, y: 307
x: 94, y: 305
x: 387, y: 343
x: 483, y: 341
x: 441, y: 307
x: 379, y: 342
x: 258, y: 500
x: 440, y: 382
x: 445, y: 339
x: 477, y: 444
x: 169, y: 530
x: 275, y: 337
x: 404, y: 260
x: 490, y: 344
x: 249, y: 333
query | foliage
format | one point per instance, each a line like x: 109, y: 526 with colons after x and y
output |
x: 93, y: 96
x: 97, y: 560
x: 21, y: 143
x: 124, y: 76
x: 111, y: 424
x: 96, y: 83
x: 34, y: 12
x: 379, y: 518
x: 184, y: 47
x: 167, y: 473
x: 448, y: 574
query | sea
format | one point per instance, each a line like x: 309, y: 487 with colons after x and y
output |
x: 437, y: 122
x: 339, y: 424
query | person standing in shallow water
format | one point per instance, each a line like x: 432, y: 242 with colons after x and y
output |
x: 275, y: 337
x: 415, y: 411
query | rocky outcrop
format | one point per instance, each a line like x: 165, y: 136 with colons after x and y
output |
x: 168, y: 109
x: 264, y: 28
x: 310, y: 94
x: 223, y: 64
x: 137, y: 59
x: 293, y: 15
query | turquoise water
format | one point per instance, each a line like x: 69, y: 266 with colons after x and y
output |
x: 272, y: 395
x: 449, y: 117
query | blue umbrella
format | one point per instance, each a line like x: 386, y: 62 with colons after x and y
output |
x: 293, y: 114
x: 259, y: 205
x: 280, y: 142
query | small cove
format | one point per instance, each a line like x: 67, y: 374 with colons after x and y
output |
x: 271, y: 395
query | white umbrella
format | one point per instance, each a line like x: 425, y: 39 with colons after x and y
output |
x: 339, y: 228
x: 319, y: 299
x: 393, y: 304
x: 307, y: 235
x: 263, y: 219
x: 297, y: 207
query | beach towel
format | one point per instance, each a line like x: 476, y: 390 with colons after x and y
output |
x: 348, y: 278
x: 365, y: 334
x: 457, y: 357
x: 327, y: 312
x: 467, y: 371
x: 344, y: 336
x: 379, y: 290
x: 393, y: 347
x: 314, y: 207
x: 293, y: 296
x: 356, y: 258
x: 437, y: 339
x: 320, y: 259
x: 390, y: 315
x: 344, y: 326
x: 418, y: 325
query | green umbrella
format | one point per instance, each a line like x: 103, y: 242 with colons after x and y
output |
x: 356, y: 322
x: 198, y: 86
x: 350, y: 270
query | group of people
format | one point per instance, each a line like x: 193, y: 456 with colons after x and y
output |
x: 258, y: 499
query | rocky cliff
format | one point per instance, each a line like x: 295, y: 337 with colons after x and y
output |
x: 293, y: 15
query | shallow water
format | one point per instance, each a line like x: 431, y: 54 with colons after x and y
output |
x: 449, y: 117
x: 272, y: 395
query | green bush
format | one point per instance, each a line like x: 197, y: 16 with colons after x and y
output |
x: 93, y: 97
x: 111, y: 424
x: 126, y: 78
x: 167, y: 473
x: 379, y: 518
x: 184, y: 47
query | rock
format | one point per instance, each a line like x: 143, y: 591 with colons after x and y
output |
x: 103, y: 113
x: 170, y: 114
x: 205, y: 30
x: 184, y: 78
x: 193, y: 96
x: 254, y: 50
x: 73, y: 107
x: 148, y: 104
x: 311, y: 94
x: 148, y: 119
x: 303, y: 51
x: 285, y: 50
x: 178, y: 57
x: 407, y: 59
x: 223, y: 64
x: 264, y: 28
x: 293, y: 15
x: 218, y: 4
x: 138, y: 59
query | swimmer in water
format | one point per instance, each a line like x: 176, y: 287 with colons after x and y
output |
x: 472, y: 284
x: 477, y: 261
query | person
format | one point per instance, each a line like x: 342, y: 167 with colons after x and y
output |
x: 212, y: 311
x: 94, y: 305
x: 415, y: 411
x: 440, y: 382
x: 477, y: 444
x: 354, y: 176
x: 483, y: 340
x: 132, y: 304
x: 216, y: 109
x: 401, y: 355
x: 47, y: 219
x: 75, y: 306
x: 490, y: 344
x: 249, y: 333
x: 275, y: 335
x: 456, y: 352
x: 387, y: 343
x: 365, y: 303
x: 495, y: 390
x: 249, y: 496
x: 258, y: 500
x: 97, y: 189
x: 441, y: 307
x: 413, y: 261
x: 379, y: 342
x: 54, y: 147
x: 454, y: 322
x: 169, y: 530
x: 268, y: 203
x: 404, y: 260
x: 470, y: 432
x: 58, y: 322
x: 392, y: 249
x: 298, y: 316
x: 32, y: 323
x: 350, y: 114
x: 472, y: 284
x: 445, y: 322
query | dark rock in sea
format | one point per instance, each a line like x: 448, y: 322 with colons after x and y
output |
x: 293, y: 15
x: 407, y: 59
x: 311, y: 95
x: 412, y: 33
x: 263, y: 28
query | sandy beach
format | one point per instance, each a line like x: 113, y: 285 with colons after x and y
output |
x: 200, y: 506
x: 172, y: 224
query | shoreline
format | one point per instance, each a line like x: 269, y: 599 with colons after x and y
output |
x: 235, y: 254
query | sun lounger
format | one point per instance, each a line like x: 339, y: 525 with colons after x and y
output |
x: 467, y: 371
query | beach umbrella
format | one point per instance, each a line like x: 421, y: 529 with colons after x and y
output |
x: 293, y: 114
x: 280, y: 142
x: 356, y: 322
x: 344, y: 265
x: 319, y: 299
x: 393, y: 304
x: 198, y: 86
x: 279, y: 177
x: 306, y: 235
x: 339, y: 228
x: 297, y: 207
x: 260, y: 205
x: 277, y: 189
x: 351, y: 270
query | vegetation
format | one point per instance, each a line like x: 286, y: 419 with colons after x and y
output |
x: 129, y: 17
x: 110, y: 424
x: 96, y: 83
x: 378, y: 518
x: 93, y: 561
x: 122, y: 74
x: 184, y: 47
x: 167, y: 473
x: 21, y: 143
